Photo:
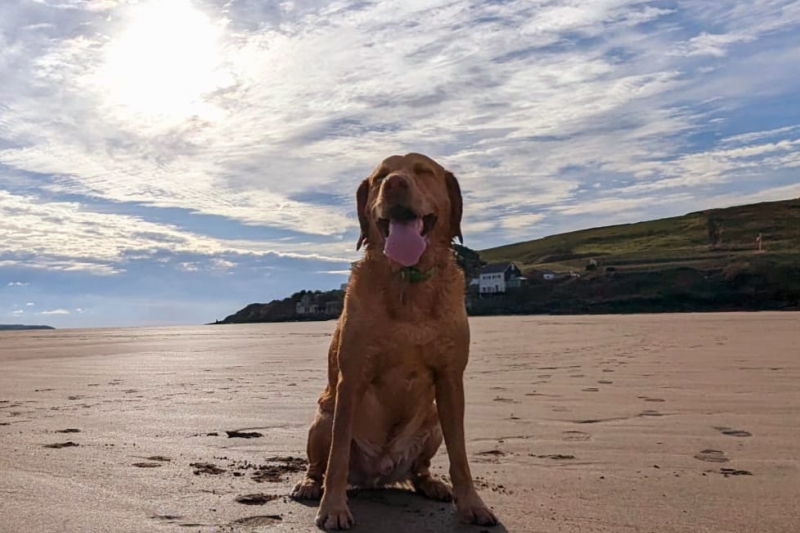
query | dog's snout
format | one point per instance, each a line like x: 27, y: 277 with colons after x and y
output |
x: 396, y: 182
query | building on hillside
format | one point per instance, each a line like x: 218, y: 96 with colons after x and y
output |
x: 306, y: 305
x: 498, y: 277
x: 547, y: 275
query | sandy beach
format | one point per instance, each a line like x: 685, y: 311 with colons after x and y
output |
x: 669, y: 423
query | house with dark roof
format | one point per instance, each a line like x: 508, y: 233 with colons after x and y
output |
x: 498, y: 277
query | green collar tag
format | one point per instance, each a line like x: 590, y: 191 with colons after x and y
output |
x: 415, y: 275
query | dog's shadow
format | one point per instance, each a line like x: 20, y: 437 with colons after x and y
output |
x: 399, y: 511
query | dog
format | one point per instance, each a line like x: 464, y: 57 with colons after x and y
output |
x: 397, y: 357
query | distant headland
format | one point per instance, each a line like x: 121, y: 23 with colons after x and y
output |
x: 21, y: 327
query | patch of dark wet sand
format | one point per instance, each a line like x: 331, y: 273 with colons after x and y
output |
x: 258, y: 521
x: 277, y: 468
x: 733, y: 432
x: 69, y: 430
x: 495, y: 453
x: 256, y: 499
x: 59, y: 445
x: 148, y: 465
x: 727, y: 472
x: 235, y: 434
x: 207, y: 468
x: 712, y: 456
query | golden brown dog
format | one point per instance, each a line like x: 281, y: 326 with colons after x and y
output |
x: 397, y: 358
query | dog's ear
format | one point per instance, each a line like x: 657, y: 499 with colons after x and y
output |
x: 456, y: 206
x: 361, y: 208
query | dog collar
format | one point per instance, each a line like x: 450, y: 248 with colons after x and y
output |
x: 415, y: 275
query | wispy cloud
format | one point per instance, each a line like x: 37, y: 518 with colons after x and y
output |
x: 55, y: 312
x: 65, y: 236
x: 17, y: 284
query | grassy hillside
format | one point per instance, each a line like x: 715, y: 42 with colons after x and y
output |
x: 707, y: 240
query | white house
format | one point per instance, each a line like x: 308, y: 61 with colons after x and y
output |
x: 498, y: 277
x: 548, y: 275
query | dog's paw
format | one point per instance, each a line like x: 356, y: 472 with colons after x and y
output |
x: 435, y: 489
x: 472, y: 510
x: 334, y: 516
x: 307, y: 489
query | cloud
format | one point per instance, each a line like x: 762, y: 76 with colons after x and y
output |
x: 55, y: 312
x: 714, y: 44
x: 17, y: 284
x: 18, y: 312
x: 240, y: 135
x: 66, y: 236
x: 524, y: 221
x: 335, y: 272
x: 30, y: 304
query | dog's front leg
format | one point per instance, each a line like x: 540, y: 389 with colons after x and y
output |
x: 450, y: 404
x: 333, y: 510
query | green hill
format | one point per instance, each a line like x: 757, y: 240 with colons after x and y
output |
x: 707, y: 261
x: 705, y: 240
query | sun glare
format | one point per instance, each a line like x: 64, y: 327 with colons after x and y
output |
x: 164, y: 62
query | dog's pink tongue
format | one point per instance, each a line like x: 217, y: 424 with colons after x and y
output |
x: 405, y: 243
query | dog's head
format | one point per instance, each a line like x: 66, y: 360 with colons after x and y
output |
x: 407, y: 203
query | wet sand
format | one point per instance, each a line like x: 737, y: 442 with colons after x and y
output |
x: 671, y: 423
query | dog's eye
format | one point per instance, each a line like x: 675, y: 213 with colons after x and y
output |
x: 421, y: 169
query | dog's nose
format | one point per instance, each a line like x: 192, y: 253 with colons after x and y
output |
x: 396, y: 182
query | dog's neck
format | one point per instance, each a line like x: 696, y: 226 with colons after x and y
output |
x: 413, y: 291
x: 413, y: 274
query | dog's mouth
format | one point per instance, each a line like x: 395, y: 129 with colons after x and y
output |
x: 405, y: 233
x: 401, y: 216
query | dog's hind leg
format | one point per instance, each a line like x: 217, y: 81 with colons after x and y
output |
x: 318, y: 447
x: 424, y: 482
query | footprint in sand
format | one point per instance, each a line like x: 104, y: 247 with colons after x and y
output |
x: 60, y: 445
x: 712, y: 456
x: 591, y: 389
x: 727, y: 472
x: 650, y: 412
x: 69, y: 430
x: 235, y: 434
x: 256, y: 499
x: 491, y: 456
x: 605, y: 382
x: 733, y: 432
x: 156, y: 461
x: 258, y: 521
x: 576, y: 436
x: 206, y: 468
x: 504, y: 400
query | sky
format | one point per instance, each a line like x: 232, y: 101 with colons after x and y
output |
x: 170, y: 161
